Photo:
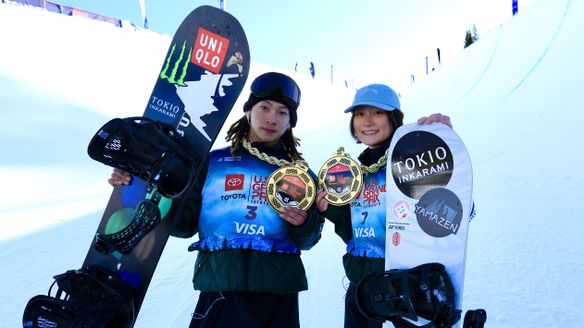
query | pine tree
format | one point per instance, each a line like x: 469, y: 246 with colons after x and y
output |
x: 471, y: 36
x: 468, y: 39
x: 475, y: 33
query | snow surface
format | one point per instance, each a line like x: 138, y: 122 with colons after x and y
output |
x: 514, y: 97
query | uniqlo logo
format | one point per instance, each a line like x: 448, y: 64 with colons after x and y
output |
x: 234, y: 182
x: 209, y: 50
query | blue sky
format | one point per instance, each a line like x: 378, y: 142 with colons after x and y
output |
x: 365, y: 41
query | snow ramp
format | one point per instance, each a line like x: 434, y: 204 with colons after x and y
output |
x: 504, y: 60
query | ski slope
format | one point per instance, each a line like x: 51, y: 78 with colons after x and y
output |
x: 514, y: 98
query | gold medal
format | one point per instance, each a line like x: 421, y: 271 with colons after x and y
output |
x: 291, y: 186
x: 341, y: 177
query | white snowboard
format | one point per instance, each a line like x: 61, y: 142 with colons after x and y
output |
x: 429, y: 201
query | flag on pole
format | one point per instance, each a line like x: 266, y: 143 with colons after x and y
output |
x: 223, y: 5
x: 143, y: 11
x: 331, y: 74
x: 515, y: 7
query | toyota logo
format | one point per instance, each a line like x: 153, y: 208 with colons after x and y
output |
x: 233, y: 182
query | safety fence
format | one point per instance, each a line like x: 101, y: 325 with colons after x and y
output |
x: 70, y: 11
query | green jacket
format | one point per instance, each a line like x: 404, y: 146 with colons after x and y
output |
x: 356, y: 267
x: 247, y: 269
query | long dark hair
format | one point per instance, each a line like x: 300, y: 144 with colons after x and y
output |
x: 241, y: 128
x: 396, y: 118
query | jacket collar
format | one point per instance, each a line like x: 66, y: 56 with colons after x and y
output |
x: 371, y: 155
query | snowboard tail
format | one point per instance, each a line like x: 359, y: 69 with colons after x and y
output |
x: 202, y: 75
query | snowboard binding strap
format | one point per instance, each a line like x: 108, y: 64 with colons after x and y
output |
x: 146, y: 218
x: 91, y: 297
x: 147, y: 149
x: 425, y: 291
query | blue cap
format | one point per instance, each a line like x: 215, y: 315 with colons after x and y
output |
x: 376, y: 95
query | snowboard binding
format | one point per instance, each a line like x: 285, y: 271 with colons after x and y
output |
x: 147, y: 149
x: 151, y: 151
x: 425, y: 291
x: 91, y: 297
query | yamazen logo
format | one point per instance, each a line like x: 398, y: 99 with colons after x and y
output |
x: 439, y: 212
x: 176, y: 67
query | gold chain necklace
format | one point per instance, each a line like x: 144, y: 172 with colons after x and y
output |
x: 375, y: 167
x: 290, y: 185
x: 270, y: 159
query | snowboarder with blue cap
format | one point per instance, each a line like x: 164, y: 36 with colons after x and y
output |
x: 375, y: 116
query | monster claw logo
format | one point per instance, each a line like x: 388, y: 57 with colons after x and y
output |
x: 208, y: 52
x: 172, y: 77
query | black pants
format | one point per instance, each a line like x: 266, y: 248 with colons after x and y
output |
x: 246, y: 309
x: 353, y: 317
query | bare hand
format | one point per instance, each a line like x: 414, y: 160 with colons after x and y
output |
x: 294, y: 216
x: 321, y: 202
x: 437, y: 117
x: 119, y: 178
